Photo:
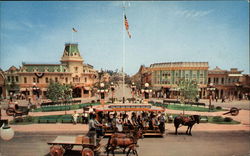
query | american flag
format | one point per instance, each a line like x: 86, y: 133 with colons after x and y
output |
x: 127, y: 26
x: 74, y: 30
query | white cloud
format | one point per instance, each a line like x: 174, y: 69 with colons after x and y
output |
x: 20, y: 25
x: 193, y: 13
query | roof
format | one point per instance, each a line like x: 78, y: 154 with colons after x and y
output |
x: 71, y: 48
x: 44, y: 68
x: 180, y: 64
x: 12, y: 68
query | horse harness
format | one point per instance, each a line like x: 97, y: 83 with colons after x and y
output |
x: 187, y: 120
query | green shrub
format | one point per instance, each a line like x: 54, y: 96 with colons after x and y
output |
x: 218, y: 119
x: 28, y: 119
x: 18, y: 120
x: 218, y: 108
x: 228, y: 119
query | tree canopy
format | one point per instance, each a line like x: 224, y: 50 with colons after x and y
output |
x: 57, y: 91
x: 188, y: 90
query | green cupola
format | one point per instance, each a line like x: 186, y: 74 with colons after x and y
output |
x: 71, y: 53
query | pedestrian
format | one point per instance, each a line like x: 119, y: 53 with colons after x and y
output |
x: 95, y: 129
x: 223, y: 99
x: 75, y: 116
x: 84, y: 117
x: 162, y: 120
x: 29, y: 104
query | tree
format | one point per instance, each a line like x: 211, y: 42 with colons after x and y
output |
x: 57, y: 91
x: 188, y: 90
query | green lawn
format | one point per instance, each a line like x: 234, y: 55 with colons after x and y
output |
x: 63, y: 107
x: 45, y: 119
x: 187, y: 107
x: 213, y: 119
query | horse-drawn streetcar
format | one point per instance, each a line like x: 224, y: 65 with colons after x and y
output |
x: 130, y: 110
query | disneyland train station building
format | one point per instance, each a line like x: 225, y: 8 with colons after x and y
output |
x: 30, y: 78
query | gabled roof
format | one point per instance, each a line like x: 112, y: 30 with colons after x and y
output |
x: 217, y: 69
x: 13, y: 68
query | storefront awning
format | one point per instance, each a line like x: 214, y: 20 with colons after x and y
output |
x: 87, y: 88
x: 24, y: 89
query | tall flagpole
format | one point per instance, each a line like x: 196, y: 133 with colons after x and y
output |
x: 123, y: 68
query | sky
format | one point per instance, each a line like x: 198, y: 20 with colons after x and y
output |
x: 162, y: 31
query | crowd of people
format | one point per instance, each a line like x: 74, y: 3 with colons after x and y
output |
x: 120, y: 121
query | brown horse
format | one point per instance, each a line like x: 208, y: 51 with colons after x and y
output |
x: 124, y: 141
x: 56, y: 150
x: 186, y: 121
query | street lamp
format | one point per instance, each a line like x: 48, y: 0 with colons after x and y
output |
x: 112, y: 91
x: 133, y: 86
x: 6, y: 132
x: 35, y: 91
x: 102, y: 92
x: 146, y: 92
x: 210, y: 89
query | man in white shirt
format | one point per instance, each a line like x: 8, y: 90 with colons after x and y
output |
x: 75, y: 116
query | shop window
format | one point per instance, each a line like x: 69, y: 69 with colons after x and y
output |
x: 85, y: 92
x: 47, y: 80
x: 25, y: 79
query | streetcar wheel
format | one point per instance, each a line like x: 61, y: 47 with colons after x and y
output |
x: 68, y: 147
x: 234, y: 111
x: 10, y: 111
x: 56, y: 150
x: 87, y: 152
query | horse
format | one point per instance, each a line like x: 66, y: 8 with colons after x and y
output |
x: 186, y: 121
x: 56, y: 150
x: 124, y: 141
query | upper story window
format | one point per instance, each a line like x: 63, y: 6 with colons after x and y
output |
x: 47, y: 80
x: 85, y: 79
x: 17, y: 79
x: 56, y: 79
x: 8, y: 78
x: 66, y: 80
x: 25, y: 79
x: 76, y: 69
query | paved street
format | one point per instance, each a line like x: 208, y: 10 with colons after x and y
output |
x: 201, y: 143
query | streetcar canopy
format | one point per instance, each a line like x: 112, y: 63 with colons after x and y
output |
x: 128, y: 107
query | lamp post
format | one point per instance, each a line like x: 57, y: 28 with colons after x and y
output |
x: 6, y: 132
x: 133, y: 86
x: 112, y: 91
x: 35, y: 90
x: 210, y: 89
x: 146, y: 92
x: 102, y: 92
